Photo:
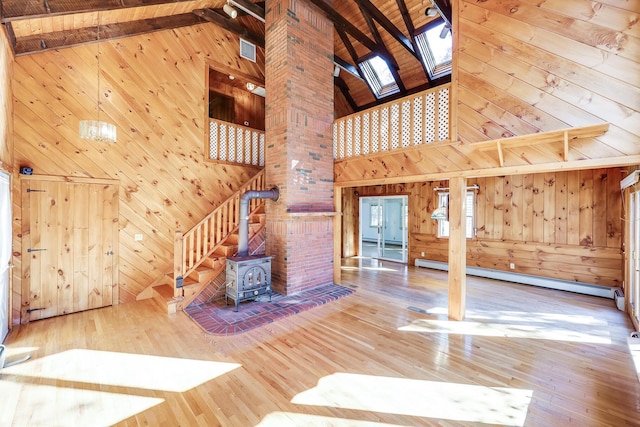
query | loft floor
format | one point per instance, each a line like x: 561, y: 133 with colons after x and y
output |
x: 385, y: 355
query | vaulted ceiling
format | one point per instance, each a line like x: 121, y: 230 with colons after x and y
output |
x: 362, y: 27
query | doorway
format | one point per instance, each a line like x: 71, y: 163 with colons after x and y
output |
x: 383, y: 227
x: 70, y: 242
x: 634, y: 258
x: 5, y: 254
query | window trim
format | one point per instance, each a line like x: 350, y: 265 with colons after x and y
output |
x: 435, y: 70
x: 442, y: 231
x: 373, y: 79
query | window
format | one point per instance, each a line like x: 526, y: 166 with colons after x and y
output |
x: 374, y: 216
x: 443, y: 226
x: 436, y: 49
x: 378, y: 74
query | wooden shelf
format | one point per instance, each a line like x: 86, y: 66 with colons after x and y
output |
x: 562, y: 135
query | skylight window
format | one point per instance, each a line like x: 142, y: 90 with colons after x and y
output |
x: 436, y: 49
x: 378, y: 74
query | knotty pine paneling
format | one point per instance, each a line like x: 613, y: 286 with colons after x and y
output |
x: 249, y: 108
x: 527, y: 67
x: 6, y: 124
x: 153, y: 87
x: 563, y: 225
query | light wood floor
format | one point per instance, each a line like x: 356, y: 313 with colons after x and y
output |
x: 523, y: 356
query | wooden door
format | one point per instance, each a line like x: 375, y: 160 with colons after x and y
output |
x: 69, y: 241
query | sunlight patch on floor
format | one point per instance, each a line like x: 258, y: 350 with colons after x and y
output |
x: 432, y: 399
x: 123, y: 369
x: 514, y: 324
x: 44, y: 405
x: 291, y: 419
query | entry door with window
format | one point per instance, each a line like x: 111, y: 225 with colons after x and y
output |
x: 383, y: 227
x: 69, y: 239
x: 5, y: 254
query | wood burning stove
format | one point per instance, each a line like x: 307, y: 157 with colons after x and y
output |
x: 248, y: 277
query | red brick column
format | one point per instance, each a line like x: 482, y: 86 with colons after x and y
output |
x: 299, y: 140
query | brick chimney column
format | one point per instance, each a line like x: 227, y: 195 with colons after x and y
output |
x: 299, y: 144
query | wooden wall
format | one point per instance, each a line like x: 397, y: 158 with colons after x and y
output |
x: 153, y: 87
x: 563, y: 225
x: 529, y: 66
x: 6, y: 106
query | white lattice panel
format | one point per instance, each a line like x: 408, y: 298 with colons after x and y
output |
x: 417, y: 121
x: 443, y: 114
x: 223, y: 142
x: 405, y: 129
x: 357, y: 141
x: 255, y: 152
x: 395, y: 126
x: 232, y: 144
x: 375, y: 131
x: 213, y: 140
x: 342, y: 140
x: 349, y: 138
x: 384, y: 129
x: 335, y: 141
x: 239, y: 145
x: 262, y: 149
x: 247, y: 147
x: 430, y: 118
x: 366, y: 142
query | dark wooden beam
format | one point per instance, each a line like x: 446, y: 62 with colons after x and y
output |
x: 230, y: 25
x: 354, y: 71
x: 402, y: 7
x: 382, y: 48
x: 68, y: 38
x: 254, y: 8
x: 351, y: 29
x: 394, y: 97
x: 344, y: 89
x: 27, y: 9
x: 388, y: 25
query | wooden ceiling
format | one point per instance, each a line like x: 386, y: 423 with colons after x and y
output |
x: 385, y: 27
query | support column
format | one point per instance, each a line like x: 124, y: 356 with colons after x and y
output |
x: 299, y: 144
x: 457, y: 248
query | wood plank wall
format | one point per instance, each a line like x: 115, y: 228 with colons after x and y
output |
x: 529, y: 66
x: 6, y: 105
x: 563, y: 225
x: 153, y: 87
x: 248, y: 107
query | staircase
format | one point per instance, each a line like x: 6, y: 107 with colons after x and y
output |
x: 200, y: 254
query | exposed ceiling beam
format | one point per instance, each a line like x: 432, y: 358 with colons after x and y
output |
x: 68, y: 38
x: 388, y: 25
x: 351, y: 29
x: 402, y: 7
x: 344, y: 89
x: 12, y: 10
x: 230, y: 25
x: 354, y: 71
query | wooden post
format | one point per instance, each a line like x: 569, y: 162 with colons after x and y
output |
x: 177, y: 262
x: 457, y: 247
x: 337, y: 236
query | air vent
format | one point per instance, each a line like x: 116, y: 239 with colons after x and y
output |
x: 247, y: 50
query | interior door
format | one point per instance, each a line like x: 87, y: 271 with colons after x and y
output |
x: 5, y: 254
x: 69, y: 236
x: 383, y: 227
x: 634, y: 250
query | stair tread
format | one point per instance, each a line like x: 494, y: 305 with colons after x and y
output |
x: 165, y: 291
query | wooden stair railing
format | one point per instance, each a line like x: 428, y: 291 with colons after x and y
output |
x: 193, y: 247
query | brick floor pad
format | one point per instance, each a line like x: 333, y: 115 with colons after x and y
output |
x: 217, y: 318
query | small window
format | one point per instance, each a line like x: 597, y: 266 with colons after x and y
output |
x: 221, y: 107
x: 443, y: 226
x: 378, y: 74
x: 435, y: 47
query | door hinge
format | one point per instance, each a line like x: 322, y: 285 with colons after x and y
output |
x: 35, y: 250
x: 35, y: 191
x: 109, y: 253
x: 35, y: 309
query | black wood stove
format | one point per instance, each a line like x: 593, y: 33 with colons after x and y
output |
x: 248, y: 277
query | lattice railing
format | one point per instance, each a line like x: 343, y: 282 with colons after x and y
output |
x: 197, y: 244
x: 417, y: 119
x: 232, y: 143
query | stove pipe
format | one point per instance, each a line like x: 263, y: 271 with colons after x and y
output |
x: 243, y: 229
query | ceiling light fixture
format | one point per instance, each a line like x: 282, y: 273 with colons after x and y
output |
x: 431, y: 11
x: 247, y: 11
x: 229, y: 10
x: 96, y: 130
x: 250, y: 86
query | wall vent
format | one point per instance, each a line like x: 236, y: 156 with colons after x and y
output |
x: 247, y: 50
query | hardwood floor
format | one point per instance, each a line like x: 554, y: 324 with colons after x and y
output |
x: 386, y: 355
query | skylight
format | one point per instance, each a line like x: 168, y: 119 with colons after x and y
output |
x: 435, y: 49
x: 378, y: 74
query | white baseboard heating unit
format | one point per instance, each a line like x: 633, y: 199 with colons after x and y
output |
x: 526, y: 279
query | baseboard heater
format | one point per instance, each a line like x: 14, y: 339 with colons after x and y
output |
x: 526, y: 279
